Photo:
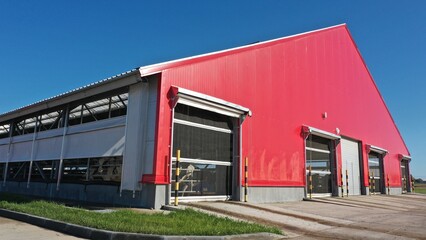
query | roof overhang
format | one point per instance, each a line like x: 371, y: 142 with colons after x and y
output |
x: 372, y: 148
x: 209, y: 103
x: 403, y: 157
x: 105, y: 85
x: 318, y: 132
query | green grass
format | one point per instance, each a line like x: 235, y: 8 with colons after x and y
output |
x: 186, y: 222
x: 420, y: 188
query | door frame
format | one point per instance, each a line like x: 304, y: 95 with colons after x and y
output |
x: 202, y: 101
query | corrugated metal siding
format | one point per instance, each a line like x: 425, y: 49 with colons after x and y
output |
x: 288, y: 84
x: 350, y: 162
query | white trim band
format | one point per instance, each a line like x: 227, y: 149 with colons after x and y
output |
x: 404, y: 157
x: 317, y: 150
x: 377, y: 149
x: 199, y: 125
x: 320, y: 133
x: 201, y: 161
x: 209, y: 103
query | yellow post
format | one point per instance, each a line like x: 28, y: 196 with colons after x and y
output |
x: 310, y: 182
x: 387, y: 176
x: 341, y: 182
x: 246, y: 179
x: 370, y: 184
x: 347, y: 183
x: 177, y: 177
x: 405, y: 184
x: 374, y: 183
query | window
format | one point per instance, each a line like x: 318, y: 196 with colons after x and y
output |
x: 4, y: 130
x: 375, y: 172
x: 318, y: 159
x: 17, y: 171
x: 44, y: 171
x: 205, y: 140
x: 105, y: 108
x: 93, y: 109
x: 24, y: 126
x: 89, y: 170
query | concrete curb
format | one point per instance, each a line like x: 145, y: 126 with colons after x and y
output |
x: 98, y: 234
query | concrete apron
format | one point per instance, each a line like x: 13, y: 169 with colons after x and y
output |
x: 351, y: 222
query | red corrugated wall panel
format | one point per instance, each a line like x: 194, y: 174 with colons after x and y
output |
x: 287, y: 84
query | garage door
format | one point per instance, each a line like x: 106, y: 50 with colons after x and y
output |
x: 350, y: 162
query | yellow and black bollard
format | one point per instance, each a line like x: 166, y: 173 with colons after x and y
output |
x: 310, y: 182
x: 387, y: 178
x: 347, y: 183
x: 370, y: 184
x: 405, y: 184
x: 245, y: 179
x: 373, y: 182
x: 341, y: 182
x: 177, y: 177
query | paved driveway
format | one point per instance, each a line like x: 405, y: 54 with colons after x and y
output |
x: 15, y: 230
x: 357, y: 217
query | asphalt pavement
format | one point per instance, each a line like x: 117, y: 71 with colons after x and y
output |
x: 16, y: 230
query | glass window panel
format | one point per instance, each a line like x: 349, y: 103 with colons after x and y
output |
x: 318, y: 161
x: 318, y: 142
x: 198, y: 143
x: 321, y: 183
x: 201, y: 116
x: 374, y: 165
x: 202, y: 179
x: 377, y: 185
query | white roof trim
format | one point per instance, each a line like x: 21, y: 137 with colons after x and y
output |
x: 322, y: 133
x: 377, y: 149
x: 209, y: 103
x: 144, y: 70
x: 404, y: 157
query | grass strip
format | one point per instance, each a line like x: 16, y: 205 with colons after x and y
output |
x: 186, y: 222
x: 420, y: 188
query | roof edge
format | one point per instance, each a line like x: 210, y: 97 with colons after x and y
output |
x: 377, y: 89
x: 158, y: 67
x: 4, y: 117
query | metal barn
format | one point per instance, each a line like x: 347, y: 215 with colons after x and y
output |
x: 303, y: 111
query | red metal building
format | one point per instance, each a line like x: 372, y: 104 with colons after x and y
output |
x: 315, y: 83
x: 304, y: 110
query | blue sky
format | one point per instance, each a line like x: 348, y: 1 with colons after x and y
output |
x: 48, y: 47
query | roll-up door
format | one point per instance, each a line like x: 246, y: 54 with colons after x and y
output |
x: 350, y: 162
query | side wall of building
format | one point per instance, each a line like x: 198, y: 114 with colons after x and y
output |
x: 129, y: 137
x: 288, y: 84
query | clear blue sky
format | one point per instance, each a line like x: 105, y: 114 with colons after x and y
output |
x: 48, y: 47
